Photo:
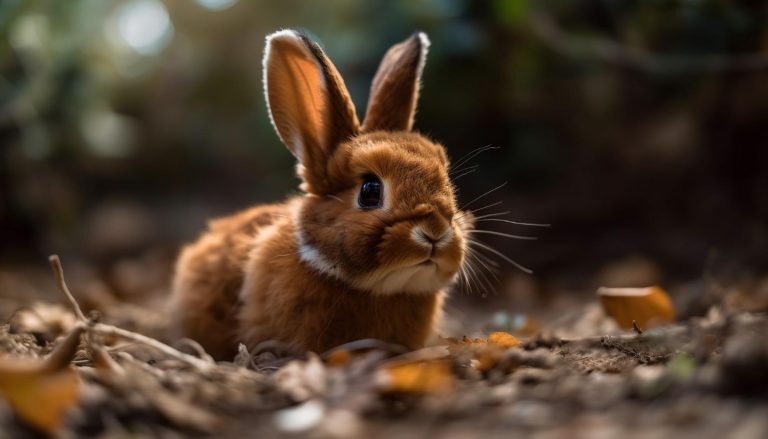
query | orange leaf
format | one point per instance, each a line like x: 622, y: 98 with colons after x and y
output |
x: 340, y: 357
x: 40, y: 398
x: 423, y: 378
x: 646, y: 306
x: 503, y: 339
x: 41, y: 391
x: 487, y: 353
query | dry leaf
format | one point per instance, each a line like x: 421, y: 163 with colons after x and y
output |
x: 105, y: 364
x: 302, y: 380
x: 646, y: 306
x: 421, y: 378
x: 339, y: 357
x: 466, y: 344
x: 44, y: 320
x: 504, y: 340
x: 41, y: 391
x: 484, y: 354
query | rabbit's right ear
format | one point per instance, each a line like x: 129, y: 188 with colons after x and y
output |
x: 308, y: 103
x: 395, y: 88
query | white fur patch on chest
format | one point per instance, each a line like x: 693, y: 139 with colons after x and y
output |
x: 312, y: 256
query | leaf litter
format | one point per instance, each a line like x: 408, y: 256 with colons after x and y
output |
x: 702, y: 377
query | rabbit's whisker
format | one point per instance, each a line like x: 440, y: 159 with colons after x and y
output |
x: 505, y: 235
x: 493, y: 214
x: 464, y: 213
x: 484, y: 195
x: 463, y: 279
x: 467, y: 275
x: 517, y: 223
x: 473, y: 277
x: 465, y: 172
x: 490, y: 262
x: 467, y: 212
x: 474, y: 257
x: 472, y: 154
x: 501, y: 255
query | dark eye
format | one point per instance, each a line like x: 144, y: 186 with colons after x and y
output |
x: 370, y: 192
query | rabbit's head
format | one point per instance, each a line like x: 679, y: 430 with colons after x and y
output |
x: 379, y: 210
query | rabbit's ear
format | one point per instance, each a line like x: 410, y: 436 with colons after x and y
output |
x: 308, y: 102
x: 395, y: 88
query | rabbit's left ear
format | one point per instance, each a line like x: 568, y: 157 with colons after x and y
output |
x: 395, y: 88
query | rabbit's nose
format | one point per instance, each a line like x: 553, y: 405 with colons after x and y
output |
x: 431, y: 237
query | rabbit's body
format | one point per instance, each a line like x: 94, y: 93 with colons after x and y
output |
x: 247, y: 255
x: 369, y: 248
x: 209, y: 278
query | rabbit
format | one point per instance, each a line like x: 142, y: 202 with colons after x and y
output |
x: 369, y: 247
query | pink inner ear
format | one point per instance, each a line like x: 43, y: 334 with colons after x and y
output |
x: 296, y: 96
x: 309, y: 104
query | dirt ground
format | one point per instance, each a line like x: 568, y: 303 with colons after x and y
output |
x: 574, y: 376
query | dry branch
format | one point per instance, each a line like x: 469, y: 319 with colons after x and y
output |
x: 114, y: 331
x: 549, y: 32
x: 109, y: 330
x: 58, y: 272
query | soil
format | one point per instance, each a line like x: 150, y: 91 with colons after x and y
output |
x: 575, y: 376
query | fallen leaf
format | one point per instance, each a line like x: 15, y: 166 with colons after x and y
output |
x: 466, y: 344
x: 646, y: 306
x: 504, y: 340
x: 302, y: 380
x: 41, y: 391
x: 343, y: 354
x: 484, y: 354
x: 44, y: 320
x: 420, y: 378
x: 175, y: 408
x: 339, y: 357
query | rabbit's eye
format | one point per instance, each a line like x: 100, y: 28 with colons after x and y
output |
x: 370, y: 192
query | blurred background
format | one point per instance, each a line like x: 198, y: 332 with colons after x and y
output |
x: 635, y: 128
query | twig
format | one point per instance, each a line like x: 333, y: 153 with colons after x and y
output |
x: 663, y: 332
x: 637, y: 329
x: 58, y: 272
x: 603, y: 49
x: 429, y: 353
x: 109, y: 330
x: 197, y: 347
x: 114, y: 331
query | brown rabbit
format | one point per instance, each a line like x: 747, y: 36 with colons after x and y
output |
x: 366, y: 251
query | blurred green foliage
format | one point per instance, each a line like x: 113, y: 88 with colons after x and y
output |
x: 633, y: 126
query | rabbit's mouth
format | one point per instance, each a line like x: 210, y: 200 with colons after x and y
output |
x: 424, y: 277
x: 433, y: 262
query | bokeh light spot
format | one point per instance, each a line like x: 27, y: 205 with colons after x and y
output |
x: 145, y: 26
x: 216, y: 5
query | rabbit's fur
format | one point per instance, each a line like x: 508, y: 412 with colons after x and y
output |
x: 319, y: 270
